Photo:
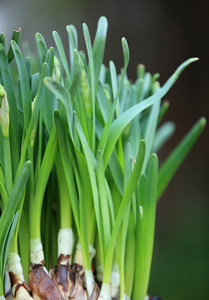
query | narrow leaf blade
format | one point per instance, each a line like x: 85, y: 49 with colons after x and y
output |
x: 172, y: 163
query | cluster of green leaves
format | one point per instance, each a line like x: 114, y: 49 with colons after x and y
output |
x: 25, y: 92
x: 90, y: 133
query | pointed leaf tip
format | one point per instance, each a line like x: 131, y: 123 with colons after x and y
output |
x: 203, y: 121
x: 125, y: 51
x: 103, y: 20
x: 195, y: 58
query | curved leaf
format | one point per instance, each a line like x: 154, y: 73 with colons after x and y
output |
x: 125, y: 118
x: 172, y: 163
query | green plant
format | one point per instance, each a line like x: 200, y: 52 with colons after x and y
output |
x: 90, y: 135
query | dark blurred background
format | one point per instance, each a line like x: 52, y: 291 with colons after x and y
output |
x: 161, y: 34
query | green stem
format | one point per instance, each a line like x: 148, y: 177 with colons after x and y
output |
x: 7, y: 164
x: 65, y: 206
x: 13, y: 246
x: 14, y: 243
x: 122, y: 209
x: 45, y: 170
x: 1, y: 287
x: 130, y: 256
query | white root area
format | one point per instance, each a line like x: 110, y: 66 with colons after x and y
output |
x: 65, y: 242
x: 36, y: 251
x: 78, y: 259
x: 89, y: 281
x: 14, y: 266
x: 115, y: 284
x: 2, y: 298
x: 105, y: 293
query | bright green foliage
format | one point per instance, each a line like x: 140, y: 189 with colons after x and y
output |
x: 9, y: 218
x: 90, y: 134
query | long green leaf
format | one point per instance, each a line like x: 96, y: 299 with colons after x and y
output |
x: 149, y: 208
x: 145, y: 229
x: 130, y: 257
x: 24, y: 83
x: 124, y: 227
x: 73, y: 44
x: 83, y: 223
x: 66, y: 161
x: 91, y: 168
x: 92, y: 82
x: 114, y: 84
x: 139, y: 285
x: 61, y: 51
x: 103, y: 199
x: 41, y: 49
x: 172, y: 163
x: 124, y: 204
x: 98, y: 47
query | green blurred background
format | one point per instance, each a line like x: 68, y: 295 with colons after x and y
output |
x: 161, y: 34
